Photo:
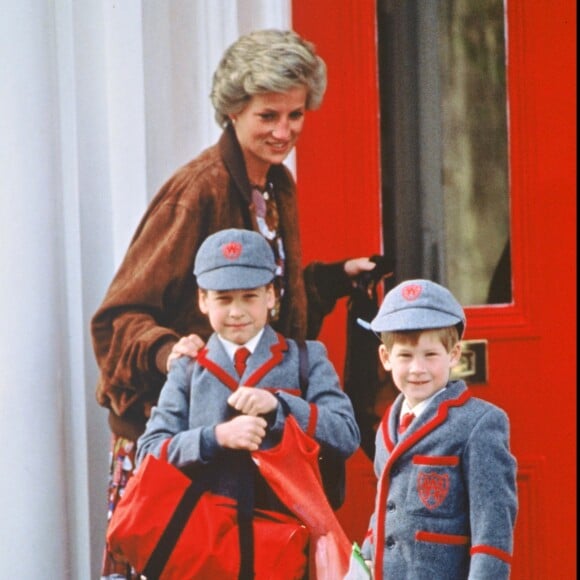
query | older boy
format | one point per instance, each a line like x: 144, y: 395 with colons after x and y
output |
x: 237, y: 393
x: 446, y: 496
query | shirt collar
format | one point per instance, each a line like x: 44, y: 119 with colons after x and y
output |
x: 231, y: 347
x: 419, y: 407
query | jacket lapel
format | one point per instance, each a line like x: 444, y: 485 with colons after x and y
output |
x: 269, y: 353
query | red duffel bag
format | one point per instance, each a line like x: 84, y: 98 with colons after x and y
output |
x: 291, y: 469
x: 168, y: 527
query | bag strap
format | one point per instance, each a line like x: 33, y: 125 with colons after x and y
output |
x: 303, y: 366
x: 246, y: 501
x: 174, y: 529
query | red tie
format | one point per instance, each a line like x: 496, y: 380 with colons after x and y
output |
x: 405, y: 422
x: 240, y: 357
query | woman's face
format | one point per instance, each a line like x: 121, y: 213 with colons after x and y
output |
x: 268, y: 128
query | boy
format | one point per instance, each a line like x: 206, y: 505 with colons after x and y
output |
x: 446, y: 495
x: 218, y: 403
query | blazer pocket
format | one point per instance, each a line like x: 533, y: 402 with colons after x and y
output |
x: 436, y: 488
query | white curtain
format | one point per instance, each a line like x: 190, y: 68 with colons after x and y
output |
x: 100, y: 101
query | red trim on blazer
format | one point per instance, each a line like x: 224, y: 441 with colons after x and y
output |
x: 227, y: 379
x: 491, y: 551
x: 452, y: 539
x: 233, y: 383
x: 312, y: 420
x: 398, y: 450
x: 389, y: 443
x: 277, y: 358
x: 436, y: 460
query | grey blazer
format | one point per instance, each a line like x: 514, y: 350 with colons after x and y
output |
x: 194, y: 400
x: 446, y: 497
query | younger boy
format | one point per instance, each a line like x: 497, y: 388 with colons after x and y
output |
x: 217, y: 403
x: 446, y: 496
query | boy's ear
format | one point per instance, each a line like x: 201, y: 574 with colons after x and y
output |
x: 202, y: 300
x: 385, y: 357
x: 271, y: 296
x: 455, y: 354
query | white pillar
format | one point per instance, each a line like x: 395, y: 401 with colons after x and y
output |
x: 88, y: 91
x: 33, y: 528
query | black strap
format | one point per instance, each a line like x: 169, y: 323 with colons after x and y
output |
x: 303, y: 366
x: 164, y: 547
x: 332, y: 467
x: 246, y: 501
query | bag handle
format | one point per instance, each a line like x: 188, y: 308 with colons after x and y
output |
x: 164, y: 450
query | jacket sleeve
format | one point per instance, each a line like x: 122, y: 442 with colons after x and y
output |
x: 170, y: 419
x: 490, y: 470
x: 327, y: 411
x: 141, y: 316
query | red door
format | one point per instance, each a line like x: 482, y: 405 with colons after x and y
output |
x: 531, y: 343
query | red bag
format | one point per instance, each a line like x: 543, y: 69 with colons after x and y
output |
x: 208, y: 547
x: 292, y: 471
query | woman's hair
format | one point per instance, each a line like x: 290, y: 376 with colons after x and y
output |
x: 266, y: 61
x: 449, y: 337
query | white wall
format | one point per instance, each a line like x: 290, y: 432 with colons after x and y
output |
x: 100, y: 101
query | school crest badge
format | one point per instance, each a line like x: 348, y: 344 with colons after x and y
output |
x: 432, y: 488
x: 232, y: 250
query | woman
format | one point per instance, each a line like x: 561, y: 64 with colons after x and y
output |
x: 262, y: 88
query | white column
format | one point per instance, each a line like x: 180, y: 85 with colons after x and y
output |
x: 33, y: 527
x: 99, y: 103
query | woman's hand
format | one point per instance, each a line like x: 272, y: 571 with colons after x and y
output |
x: 357, y: 266
x: 252, y: 401
x: 241, y: 432
x: 185, y: 346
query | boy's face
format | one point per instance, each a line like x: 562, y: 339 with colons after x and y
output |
x: 420, y: 370
x: 237, y: 315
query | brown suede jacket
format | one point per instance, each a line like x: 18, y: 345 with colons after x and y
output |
x: 152, y: 300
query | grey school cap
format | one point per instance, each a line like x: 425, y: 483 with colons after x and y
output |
x: 234, y: 259
x: 418, y: 305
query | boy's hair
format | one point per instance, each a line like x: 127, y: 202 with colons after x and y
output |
x: 449, y: 337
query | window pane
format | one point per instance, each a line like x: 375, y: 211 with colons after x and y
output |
x: 444, y: 144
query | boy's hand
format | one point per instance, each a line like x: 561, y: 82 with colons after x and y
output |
x: 185, y: 346
x: 242, y: 432
x: 252, y: 401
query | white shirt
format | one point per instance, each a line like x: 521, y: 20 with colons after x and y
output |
x: 419, y: 407
x: 231, y: 347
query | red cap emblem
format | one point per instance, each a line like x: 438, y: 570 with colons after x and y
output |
x: 232, y: 251
x: 412, y: 292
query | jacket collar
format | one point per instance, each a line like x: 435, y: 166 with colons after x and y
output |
x: 269, y: 353
x: 455, y: 394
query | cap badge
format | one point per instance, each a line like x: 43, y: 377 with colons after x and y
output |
x: 232, y: 250
x: 412, y: 292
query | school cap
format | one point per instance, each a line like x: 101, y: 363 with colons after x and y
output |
x: 234, y: 259
x: 418, y: 305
